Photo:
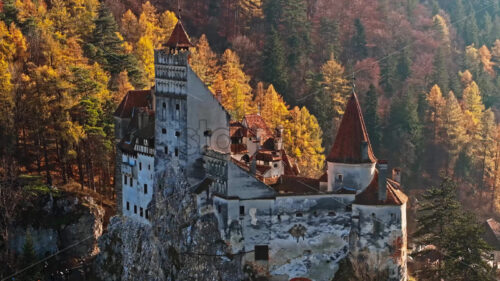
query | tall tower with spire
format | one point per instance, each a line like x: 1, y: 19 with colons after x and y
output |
x: 170, y: 99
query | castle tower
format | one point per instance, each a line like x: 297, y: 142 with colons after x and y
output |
x: 351, y: 162
x: 378, y: 235
x: 170, y: 100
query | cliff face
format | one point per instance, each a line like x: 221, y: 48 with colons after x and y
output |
x: 179, y: 244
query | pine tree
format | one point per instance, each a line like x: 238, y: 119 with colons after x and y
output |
x: 29, y: 259
x: 440, y: 70
x: 272, y: 108
x: 275, y: 71
x: 358, y: 41
x: 455, y: 135
x: 303, y: 141
x: 105, y: 47
x: 471, y: 30
x: 472, y: 60
x: 203, y: 61
x: 473, y: 105
x: 403, y: 66
x: 487, y: 148
x: 436, y: 103
x: 336, y: 86
x: 371, y: 117
x: 388, y: 73
x: 435, y: 211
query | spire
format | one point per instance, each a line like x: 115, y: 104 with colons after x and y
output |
x: 179, y: 38
x: 352, y: 144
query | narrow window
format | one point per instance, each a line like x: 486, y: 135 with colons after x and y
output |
x: 219, y: 209
x: 177, y: 111
x: 176, y: 151
x: 242, y: 210
x: 177, y: 133
x: 163, y: 131
x: 164, y: 105
x: 128, y: 206
x: 261, y: 252
x: 141, y: 213
x: 177, y: 107
x: 149, y: 167
x: 131, y: 182
x: 135, y: 209
x: 339, y: 178
x: 140, y: 166
x: 145, y: 189
x: 124, y: 179
x: 147, y: 214
x: 166, y: 149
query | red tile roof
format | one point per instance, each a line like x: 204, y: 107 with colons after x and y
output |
x: 179, y: 37
x: 133, y: 99
x: 254, y: 122
x: 297, y: 185
x: 369, y: 196
x: 350, y: 135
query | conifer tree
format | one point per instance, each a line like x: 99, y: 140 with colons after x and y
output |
x: 303, y: 141
x: 473, y: 105
x: 130, y: 26
x: 275, y: 71
x: 454, y: 128
x: 371, y: 117
x: 436, y: 103
x: 487, y: 147
x: 29, y: 259
x: 403, y: 66
x: 440, y: 70
x: 203, y: 61
x: 336, y: 86
x: 358, y: 41
x: 471, y: 30
x: 272, y: 108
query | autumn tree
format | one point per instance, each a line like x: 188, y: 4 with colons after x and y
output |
x: 435, y: 107
x: 203, y: 61
x: 303, y: 141
x: 453, y: 125
x: 272, y: 107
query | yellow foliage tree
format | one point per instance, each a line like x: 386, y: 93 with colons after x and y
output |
x: 144, y: 51
x: 485, y: 55
x: 130, y: 26
x: 472, y: 102
x: 203, y: 61
x: 273, y: 108
x: 336, y: 86
x: 435, y: 102
x: 455, y: 135
x: 303, y: 141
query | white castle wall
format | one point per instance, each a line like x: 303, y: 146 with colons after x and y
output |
x: 378, y: 240
x: 134, y: 194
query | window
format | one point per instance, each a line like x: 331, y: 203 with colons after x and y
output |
x: 242, y: 210
x: 163, y: 131
x: 176, y: 151
x: 149, y: 167
x: 141, y: 212
x: 140, y: 166
x: 279, y: 218
x: 275, y: 165
x: 177, y: 133
x: 128, y: 206
x: 331, y: 214
x: 339, y: 178
x: 261, y: 252
x: 145, y: 189
x: 146, y: 142
x: 219, y: 209
x: 299, y: 215
x: 131, y: 182
x: 177, y: 107
x: 147, y: 214
x: 166, y: 149
x: 164, y: 105
x: 135, y: 209
x: 348, y: 208
x: 124, y: 179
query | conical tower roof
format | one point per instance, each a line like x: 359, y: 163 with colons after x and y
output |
x: 350, y: 137
x: 179, y: 38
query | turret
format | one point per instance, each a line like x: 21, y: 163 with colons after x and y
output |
x: 351, y: 161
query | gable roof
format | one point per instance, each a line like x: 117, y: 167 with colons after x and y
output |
x: 369, y: 196
x: 254, y: 122
x: 133, y: 99
x: 350, y: 135
x: 178, y: 38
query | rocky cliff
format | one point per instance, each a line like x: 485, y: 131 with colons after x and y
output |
x: 180, y: 244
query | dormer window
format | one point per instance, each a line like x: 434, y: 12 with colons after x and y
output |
x: 339, y: 178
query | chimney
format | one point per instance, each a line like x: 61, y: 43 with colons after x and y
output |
x: 364, y: 151
x: 382, y: 179
x: 218, y: 94
x: 396, y: 175
x: 253, y: 165
x: 278, y: 142
x: 259, y: 134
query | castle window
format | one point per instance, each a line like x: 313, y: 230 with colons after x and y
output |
x: 279, y: 218
x: 177, y: 110
x: 177, y: 134
x: 348, y: 208
x: 141, y: 212
x: 145, y: 189
x: 164, y: 105
x: 163, y: 131
x: 242, y: 210
x: 128, y: 206
x: 275, y: 165
x: 124, y: 179
x: 176, y: 151
x: 131, y: 182
x: 340, y: 178
x: 164, y: 112
x: 165, y: 149
x: 299, y: 215
x: 331, y: 213
x: 149, y: 167
x: 147, y: 214
x: 261, y: 252
x: 140, y: 166
x: 219, y: 209
x: 135, y: 209
x: 177, y: 107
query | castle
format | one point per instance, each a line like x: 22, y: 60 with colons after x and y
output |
x: 284, y: 225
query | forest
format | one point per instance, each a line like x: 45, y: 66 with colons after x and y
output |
x: 426, y: 73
